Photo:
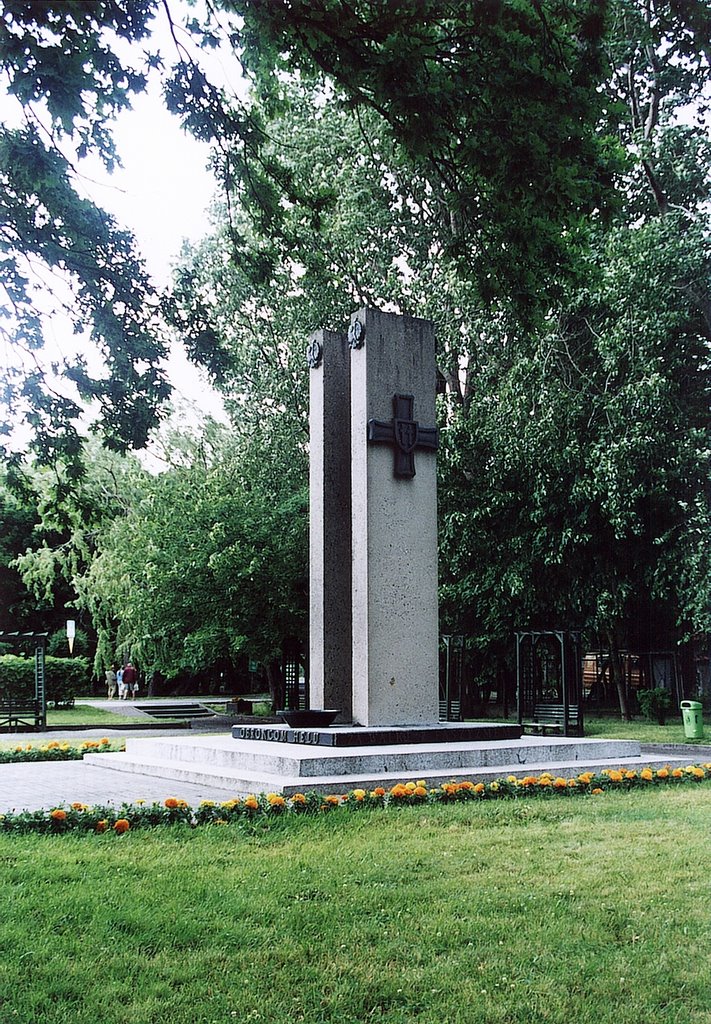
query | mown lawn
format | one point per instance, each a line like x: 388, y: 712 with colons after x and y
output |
x: 589, y: 909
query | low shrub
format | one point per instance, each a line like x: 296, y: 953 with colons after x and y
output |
x: 64, y: 678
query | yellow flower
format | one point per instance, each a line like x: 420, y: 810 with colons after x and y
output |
x: 359, y: 794
x: 121, y: 825
x: 410, y: 787
x: 494, y: 787
x: 207, y: 803
x: 219, y: 821
x: 512, y: 779
x: 421, y: 783
x: 647, y: 774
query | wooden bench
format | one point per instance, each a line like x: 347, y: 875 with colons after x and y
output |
x: 552, y: 717
x: 16, y: 713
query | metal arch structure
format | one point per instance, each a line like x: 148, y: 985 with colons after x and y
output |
x: 39, y: 642
x: 549, y: 671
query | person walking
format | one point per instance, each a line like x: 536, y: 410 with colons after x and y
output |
x: 130, y: 681
x: 111, y: 682
x: 119, y: 683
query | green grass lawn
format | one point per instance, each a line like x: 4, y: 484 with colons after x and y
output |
x: 85, y: 714
x: 590, y: 910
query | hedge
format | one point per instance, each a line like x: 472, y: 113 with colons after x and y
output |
x: 65, y: 678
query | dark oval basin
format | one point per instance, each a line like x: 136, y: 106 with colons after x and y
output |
x: 313, y: 719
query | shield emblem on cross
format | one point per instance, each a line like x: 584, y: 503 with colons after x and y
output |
x: 406, y: 433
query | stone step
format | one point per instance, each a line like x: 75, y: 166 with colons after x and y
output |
x: 176, y: 712
x: 238, y: 782
x: 263, y: 758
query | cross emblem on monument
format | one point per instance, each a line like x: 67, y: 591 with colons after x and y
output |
x: 405, y: 434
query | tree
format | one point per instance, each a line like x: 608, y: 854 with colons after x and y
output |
x: 60, y: 252
x: 208, y: 564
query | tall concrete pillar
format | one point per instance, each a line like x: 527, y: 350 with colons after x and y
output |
x: 394, y: 509
x: 330, y: 524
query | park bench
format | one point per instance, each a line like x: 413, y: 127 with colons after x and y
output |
x: 20, y: 713
x: 551, y: 717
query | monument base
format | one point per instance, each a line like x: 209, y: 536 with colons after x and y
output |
x: 278, y: 766
x: 379, y: 736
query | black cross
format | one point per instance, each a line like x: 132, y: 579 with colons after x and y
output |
x: 405, y: 434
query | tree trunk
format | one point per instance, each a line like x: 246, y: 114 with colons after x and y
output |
x: 277, y: 689
x: 618, y: 675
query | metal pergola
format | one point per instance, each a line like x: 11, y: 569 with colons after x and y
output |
x: 39, y: 642
x: 549, y: 675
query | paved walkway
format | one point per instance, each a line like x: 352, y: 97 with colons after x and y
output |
x: 47, y: 784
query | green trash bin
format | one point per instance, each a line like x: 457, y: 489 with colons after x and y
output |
x: 693, y: 719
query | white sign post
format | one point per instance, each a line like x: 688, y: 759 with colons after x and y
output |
x: 71, y: 633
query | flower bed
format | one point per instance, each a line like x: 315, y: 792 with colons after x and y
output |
x: 78, y: 817
x: 56, y: 750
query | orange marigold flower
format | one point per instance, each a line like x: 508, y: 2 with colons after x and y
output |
x: 275, y: 800
x: 545, y: 780
x: 420, y: 791
x: 399, y: 791
x: 378, y: 791
x: 614, y: 775
x: 697, y: 772
x: 597, y: 791
x: 58, y: 814
x: 121, y: 825
x: 251, y: 802
x: 466, y: 784
x: 171, y: 802
x: 663, y: 773
x: 102, y: 825
x: 449, y: 787
x: 572, y: 783
x: 560, y: 783
x: 677, y: 773
x: 647, y: 774
x: 479, y: 788
x: 104, y: 740
x: 333, y: 800
x: 78, y: 807
x: 632, y: 775
x: 52, y: 745
x: 298, y: 798
x: 586, y: 778
x: 529, y: 780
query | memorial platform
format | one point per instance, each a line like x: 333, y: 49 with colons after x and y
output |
x: 278, y: 766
